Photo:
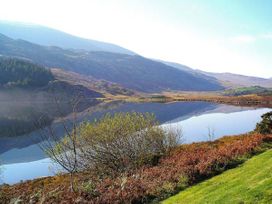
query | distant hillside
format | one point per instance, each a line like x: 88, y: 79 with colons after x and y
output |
x: 236, y: 80
x: 29, y: 93
x: 248, y: 90
x: 102, y: 86
x: 51, y: 37
x: 130, y: 71
x: 19, y: 73
x: 228, y: 80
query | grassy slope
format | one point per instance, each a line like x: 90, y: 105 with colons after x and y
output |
x: 249, y: 183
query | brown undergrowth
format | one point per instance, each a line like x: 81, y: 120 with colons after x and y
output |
x: 185, y: 166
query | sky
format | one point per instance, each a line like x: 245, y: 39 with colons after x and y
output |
x: 212, y: 35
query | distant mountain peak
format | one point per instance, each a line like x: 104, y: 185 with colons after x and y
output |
x: 53, y: 37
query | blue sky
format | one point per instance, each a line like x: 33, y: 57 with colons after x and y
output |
x: 212, y: 35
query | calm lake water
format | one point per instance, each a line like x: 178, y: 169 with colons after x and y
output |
x: 22, y: 159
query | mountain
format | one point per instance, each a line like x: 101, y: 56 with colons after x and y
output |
x: 102, y: 86
x: 179, y: 66
x: 19, y: 73
x: 236, y: 80
x: 130, y: 71
x: 51, y: 37
x: 228, y: 80
x: 30, y: 93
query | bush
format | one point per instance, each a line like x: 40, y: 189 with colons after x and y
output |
x: 265, y: 126
x: 116, y: 144
x: 182, y: 167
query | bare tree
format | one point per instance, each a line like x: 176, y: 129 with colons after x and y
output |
x: 62, y: 149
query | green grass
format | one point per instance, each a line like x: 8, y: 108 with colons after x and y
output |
x: 248, y: 183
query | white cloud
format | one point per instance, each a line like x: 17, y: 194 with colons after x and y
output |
x: 244, y: 39
x: 251, y: 38
x: 267, y: 36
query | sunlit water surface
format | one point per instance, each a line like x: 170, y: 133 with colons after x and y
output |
x: 23, y: 159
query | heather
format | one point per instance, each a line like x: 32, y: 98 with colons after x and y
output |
x: 182, y: 167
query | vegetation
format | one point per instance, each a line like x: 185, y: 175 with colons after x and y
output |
x: 265, y: 126
x: 244, y: 100
x: 112, y: 146
x: 248, y: 183
x: 19, y: 73
x: 101, y: 86
x: 184, y: 166
x: 248, y: 90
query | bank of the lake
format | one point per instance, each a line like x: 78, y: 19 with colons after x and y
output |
x: 199, y: 121
x: 249, y: 183
x: 186, y: 165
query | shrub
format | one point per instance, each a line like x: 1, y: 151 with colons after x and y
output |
x: 183, y: 182
x: 115, y: 144
x: 185, y: 165
x: 123, y: 142
x: 265, y: 126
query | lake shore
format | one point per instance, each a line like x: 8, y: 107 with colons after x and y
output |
x: 214, y: 97
x: 186, y: 165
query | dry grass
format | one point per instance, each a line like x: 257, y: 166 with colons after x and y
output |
x: 186, y: 165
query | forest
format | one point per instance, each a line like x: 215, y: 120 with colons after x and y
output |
x: 16, y: 73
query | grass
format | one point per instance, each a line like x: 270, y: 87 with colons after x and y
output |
x: 185, y: 165
x: 248, y: 183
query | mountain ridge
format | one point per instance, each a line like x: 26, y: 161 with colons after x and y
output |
x: 54, y: 37
x: 130, y: 71
x: 227, y: 79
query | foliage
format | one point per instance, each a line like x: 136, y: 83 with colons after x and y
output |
x: 20, y: 73
x: 249, y: 183
x: 185, y: 165
x: 265, y: 126
x: 115, y: 144
x: 248, y: 90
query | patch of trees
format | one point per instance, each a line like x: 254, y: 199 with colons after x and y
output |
x: 19, y: 73
x: 262, y: 91
x: 265, y: 126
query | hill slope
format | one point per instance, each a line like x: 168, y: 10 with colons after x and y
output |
x: 19, y: 73
x: 52, y: 37
x: 249, y: 183
x: 30, y: 93
x: 258, y: 90
x: 229, y: 80
x: 236, y: 80
x: 130, y: 71
x: 89, y: 82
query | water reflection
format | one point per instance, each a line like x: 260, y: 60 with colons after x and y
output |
x: 24, y: 148
x: 194, y: 117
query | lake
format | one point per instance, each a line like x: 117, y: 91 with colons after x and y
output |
x: 22, y: 158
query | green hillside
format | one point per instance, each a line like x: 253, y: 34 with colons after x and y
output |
x: 249, y: 90
x: 20, y: 73
x: 249, y: 183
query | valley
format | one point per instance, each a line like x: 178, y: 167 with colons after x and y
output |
x: 88, y: 121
